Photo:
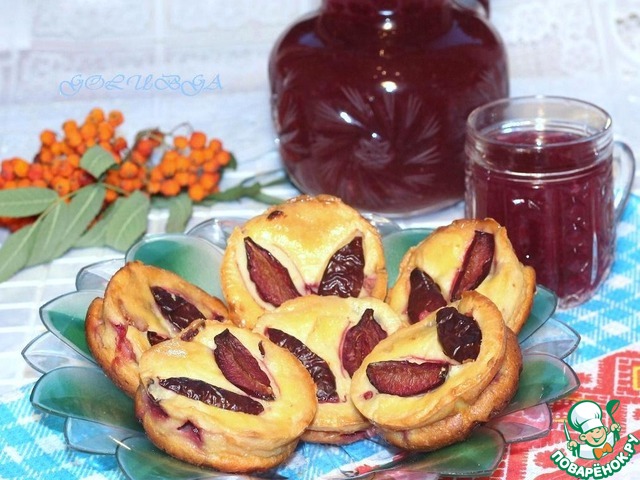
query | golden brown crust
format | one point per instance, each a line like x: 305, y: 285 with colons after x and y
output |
x: 302, y: 234
x: 103, y: 348
x: 227, y: 440
x: 509, y: 284
x: 321, y: 323
x: 457, y: 427
x: 117, y: 327
x: 419, y: 343
x: 336, y: 438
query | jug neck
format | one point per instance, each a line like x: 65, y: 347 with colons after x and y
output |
x: 389, y: 22
x: 375, y: 8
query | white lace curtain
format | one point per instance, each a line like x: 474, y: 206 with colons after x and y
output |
x: 584, y: 48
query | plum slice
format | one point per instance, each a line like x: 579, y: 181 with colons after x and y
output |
x: 271, y: 278
x: 155, y: 338
x: 406, y: 379
x: 424, y: 295
x: 191, y: 333
x: 344, y: 274
x: 360, y: 340
x: 204, y: 392
x: 174, y: 308
x: 240, y: 367
x: 317, y: 367
x: 476, y: 264
x: 459, y: 334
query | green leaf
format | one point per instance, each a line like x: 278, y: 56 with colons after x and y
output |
x: 96, y: 236
x: 16, y: 250
x: 82, y: 210
x: 96, y: 160
x: 180, y: 210
x: 50, y: 231
x: 233, y: 162
x: 158, y: 201
x: 128, y: 221
x: 27, y: 201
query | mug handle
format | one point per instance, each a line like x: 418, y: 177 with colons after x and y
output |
x: 623, y: 178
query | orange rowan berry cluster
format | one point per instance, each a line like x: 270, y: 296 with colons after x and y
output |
x: 133, y: 171
x: 57, y: 163
x: 192, y: 165
x: 189, y: 164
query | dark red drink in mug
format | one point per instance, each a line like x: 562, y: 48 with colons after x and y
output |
x: 543, y: 167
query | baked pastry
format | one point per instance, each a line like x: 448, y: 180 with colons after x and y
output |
x: 331, y: 336
x: 307, y: 245
x: 465, y: 255
x: 142, y: 305
x: 428, y: 385
x: 224, y: 397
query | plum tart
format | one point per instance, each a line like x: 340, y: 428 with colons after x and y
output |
x: 465, y: 255
x: 331, y: 336
x: 307, y: 245
x: 428, y: 385
x: 142, y: 306
x: 224, y: 397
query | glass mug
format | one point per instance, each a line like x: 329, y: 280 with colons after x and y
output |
x: 544, y: 168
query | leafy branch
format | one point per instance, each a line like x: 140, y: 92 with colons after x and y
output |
x: 80, y: 219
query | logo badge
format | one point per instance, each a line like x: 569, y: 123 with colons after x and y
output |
x: 593, y: 442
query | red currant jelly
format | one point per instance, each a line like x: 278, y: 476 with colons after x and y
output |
x: 552, y: 189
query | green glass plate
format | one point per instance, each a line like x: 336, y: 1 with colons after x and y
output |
x: 100, y: 417
x: 64, y: 317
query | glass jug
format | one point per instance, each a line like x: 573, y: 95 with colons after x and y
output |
x: 370, y: 99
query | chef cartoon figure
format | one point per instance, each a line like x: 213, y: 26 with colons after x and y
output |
x: 586, y: 417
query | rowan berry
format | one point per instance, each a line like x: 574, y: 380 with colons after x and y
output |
x: 210, y: 166
x: 180, y: 142
x: 45, y: 155
x: 110, y: 195
x: 145, y: 146
x: 36, y: 172
x: 105, y: 131
x: 182, y: 178
x: 20, y: 167
x: 47, y: 137
x: 115, y: 118
x: 196, y: 192
x: 69, y: 126
x: 96, y: 115
x: 88, y: 130
x: 209, y: 180
x: 170, y: 187
x: 61, y: 185
x: 198, y: 140
x: 119, y: 144
x: 168, y: 167
x: 74, y: 139
x: 182, y: 164
x: 215, y: 145
x: 7, y: 170
x: 197, y: 156
x: 223, y: 157
x: 153, y: 186
x: 129, y: 170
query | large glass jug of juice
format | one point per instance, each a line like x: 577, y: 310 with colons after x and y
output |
x: 370, y: 99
